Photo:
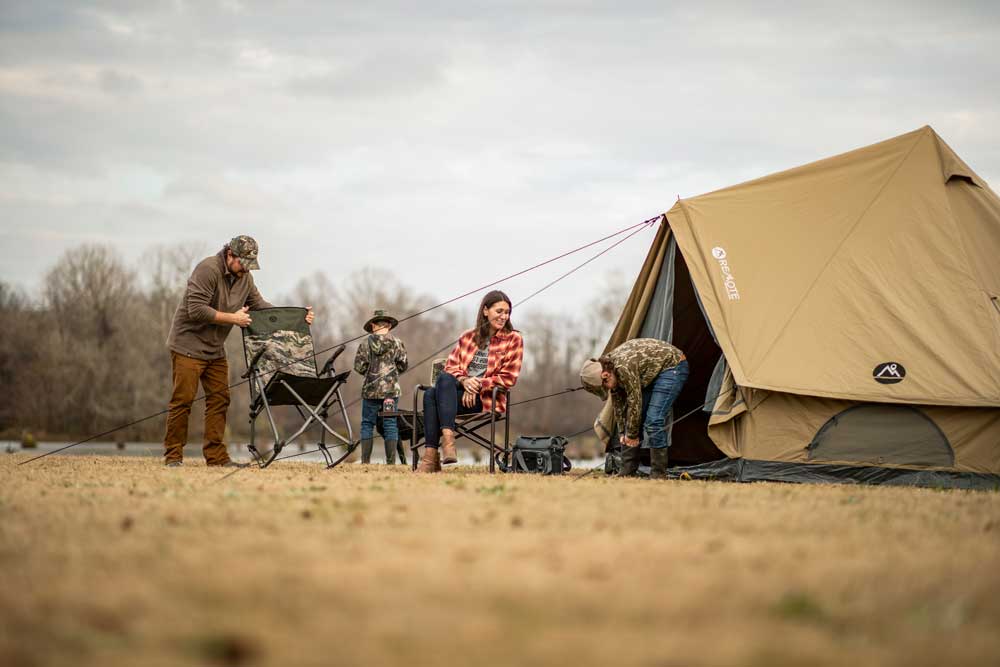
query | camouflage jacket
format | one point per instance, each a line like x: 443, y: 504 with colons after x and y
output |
x: 637, y: 362
x: 380, y: 359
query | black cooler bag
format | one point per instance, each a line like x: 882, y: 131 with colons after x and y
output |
x: 541, y: 454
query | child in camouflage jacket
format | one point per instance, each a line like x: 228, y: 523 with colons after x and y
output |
x: 380, y: 359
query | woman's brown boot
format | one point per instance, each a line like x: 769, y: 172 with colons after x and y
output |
x: 448, y: 453
x: 430, y: 460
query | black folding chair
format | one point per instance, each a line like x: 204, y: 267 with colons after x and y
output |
x: 466, y: 426
x: 281, y: 365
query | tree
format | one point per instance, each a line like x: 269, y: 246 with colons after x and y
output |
x: 91, y: 296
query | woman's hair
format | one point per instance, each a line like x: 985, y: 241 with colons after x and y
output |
x: 483, y: 324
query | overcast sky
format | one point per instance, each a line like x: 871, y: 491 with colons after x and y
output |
x: 450, y: 142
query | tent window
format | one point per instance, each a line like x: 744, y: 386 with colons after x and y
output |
x: 962, y: 177
x: 878, y: 434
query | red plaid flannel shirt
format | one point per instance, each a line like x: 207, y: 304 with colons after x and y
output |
x: 502, y: 366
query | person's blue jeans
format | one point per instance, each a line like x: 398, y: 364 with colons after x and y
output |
x: 442, y: 403
x: 369, y: 418
x: 657, y: 399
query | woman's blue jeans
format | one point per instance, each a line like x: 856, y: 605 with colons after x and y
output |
x: 657, y: 399
x: 370, y: 408
x: 442, y: 403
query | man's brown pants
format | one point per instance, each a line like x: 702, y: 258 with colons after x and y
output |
x: 214, y: 377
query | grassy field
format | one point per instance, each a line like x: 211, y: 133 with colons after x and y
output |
x: 119, y: 561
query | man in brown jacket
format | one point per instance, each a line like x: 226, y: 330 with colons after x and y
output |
x: 220, y: 293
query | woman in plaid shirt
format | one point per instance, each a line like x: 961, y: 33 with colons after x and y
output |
x: 486, y: 356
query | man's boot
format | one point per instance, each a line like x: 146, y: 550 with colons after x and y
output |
x: 430, y: 460
x: 448, y: 453
x: 401, y: 448
x: 630, y: 460
x: 390, y: 452
x: 366, y: 449
x: 658, y: 463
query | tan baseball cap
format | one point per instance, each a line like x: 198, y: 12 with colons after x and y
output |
x: 590, y: 374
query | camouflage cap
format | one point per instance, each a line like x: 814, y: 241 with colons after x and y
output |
x: 245, y: 249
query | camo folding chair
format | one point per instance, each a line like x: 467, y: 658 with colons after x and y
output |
x: 281, y: 365
x: 466, y: 426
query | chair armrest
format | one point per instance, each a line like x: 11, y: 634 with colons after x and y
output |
x: 328, y: 366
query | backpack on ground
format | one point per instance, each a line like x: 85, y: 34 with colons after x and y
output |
x: 540, y: 454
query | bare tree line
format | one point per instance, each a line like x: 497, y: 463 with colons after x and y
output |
x: 87, y: 354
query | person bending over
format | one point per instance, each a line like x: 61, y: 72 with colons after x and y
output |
x: 220, y: 294
x: 638, y: 366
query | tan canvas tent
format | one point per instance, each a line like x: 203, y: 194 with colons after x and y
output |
x: 841, y: 318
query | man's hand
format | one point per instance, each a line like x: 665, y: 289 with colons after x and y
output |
x: 469, y: 399
x: 310, y: 316
x: 628, y: 442
x: 472, y: 385
x: 241, y: 317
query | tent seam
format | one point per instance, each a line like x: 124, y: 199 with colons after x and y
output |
x: 963, y: 248
x: 812, y: 392
x: 836, y: 252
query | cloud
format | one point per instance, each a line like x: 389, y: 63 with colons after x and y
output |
x: 430, y: 126
x: 118, y: 83
x: 381, y: 75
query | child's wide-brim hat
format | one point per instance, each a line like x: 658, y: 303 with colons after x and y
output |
x: 381, y: 316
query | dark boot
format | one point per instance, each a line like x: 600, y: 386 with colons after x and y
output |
x: 630, y: 461
x: 658, y: 463
x: 366, y: 450
x: 390, y: 452
x: 401, y: 448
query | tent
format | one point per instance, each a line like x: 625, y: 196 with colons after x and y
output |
x: 842, y: 321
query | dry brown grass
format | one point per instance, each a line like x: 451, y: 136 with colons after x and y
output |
x: 123, y: 562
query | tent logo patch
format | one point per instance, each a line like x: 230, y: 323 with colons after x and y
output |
x: 889, y: 372
x: 728, y: 281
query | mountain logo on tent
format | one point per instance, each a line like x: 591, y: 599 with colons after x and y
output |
x: 889, y: 372
x: 718, y: 253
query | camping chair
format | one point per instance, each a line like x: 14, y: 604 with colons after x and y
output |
x: 281, y: 365
x: 467, y: 426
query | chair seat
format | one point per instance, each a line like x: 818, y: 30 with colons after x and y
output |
x: 311, y: 389
x: 466, y: 426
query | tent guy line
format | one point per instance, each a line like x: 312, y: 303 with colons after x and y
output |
x: 642, y: 226
x: 516, y: 305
